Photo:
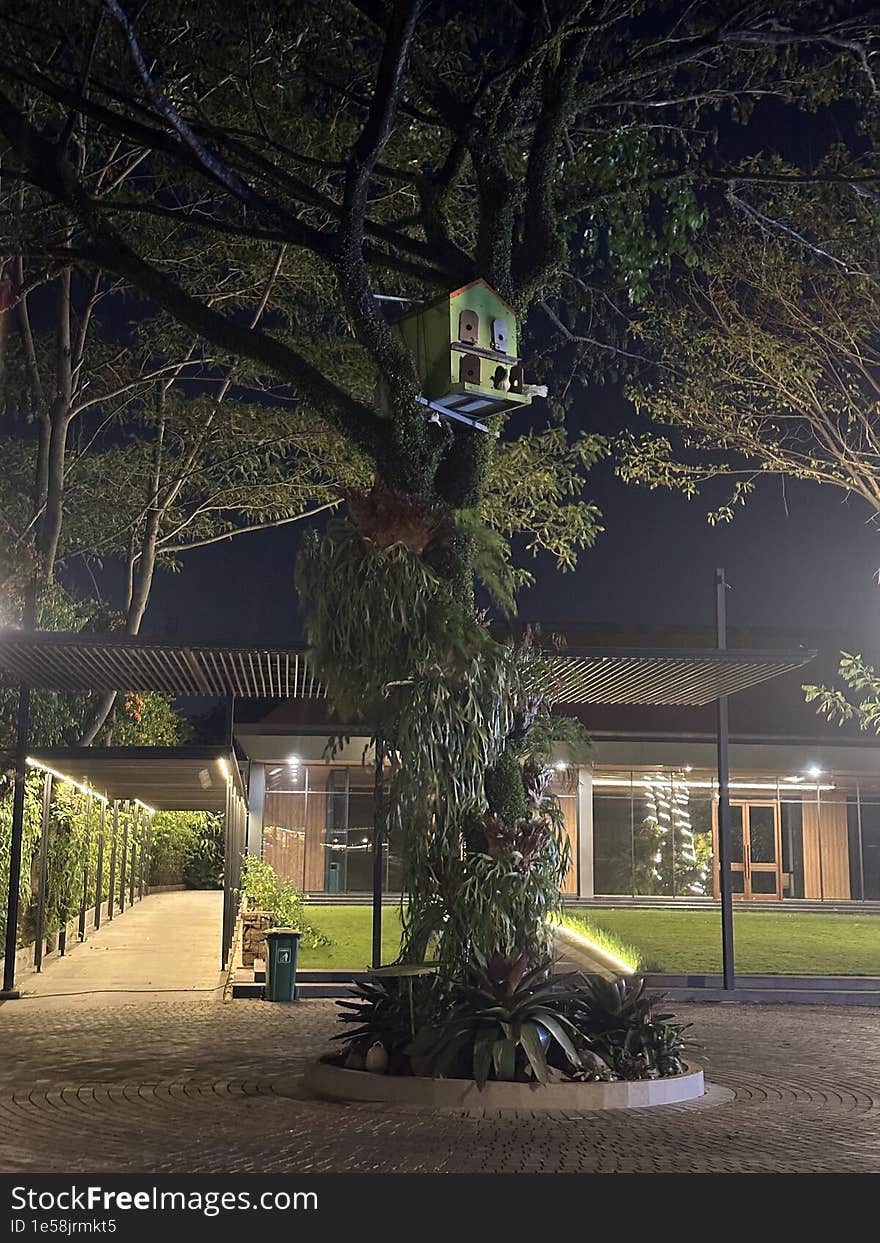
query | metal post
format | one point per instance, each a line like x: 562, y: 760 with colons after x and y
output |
x: 819, y: 843
x: 227, y: 878
x: 123, y: 861
x: 40, y: 934
x: 861, y: 848
x: 99, y: 866
x: 111, y: 880
x: 135, y: 830
x: 83, y: 902
x: 378, y: 849
x: 13, y: 899
x: 724, y: 851
x: 146, y: 853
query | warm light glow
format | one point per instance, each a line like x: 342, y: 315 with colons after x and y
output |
x: 619, y: 963
x: 293, y: 761
x: 151, y: 811
x: 224, y: 767
x: 814, y: 772
x: 32, y: 763
x: 624, y: 783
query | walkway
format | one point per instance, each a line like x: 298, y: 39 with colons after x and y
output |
x: 167, y: 943
x: 193, y: 1085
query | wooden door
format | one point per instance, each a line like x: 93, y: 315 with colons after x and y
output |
x: 756, y: 848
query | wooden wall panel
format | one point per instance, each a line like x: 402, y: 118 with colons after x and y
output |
x: 568, y: 806
x: 835, y: 881
x: 283, y: 834
x: 316, y: 830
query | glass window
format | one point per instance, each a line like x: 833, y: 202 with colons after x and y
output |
x: 612, y: 843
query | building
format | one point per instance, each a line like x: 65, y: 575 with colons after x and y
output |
x: 640, y: 807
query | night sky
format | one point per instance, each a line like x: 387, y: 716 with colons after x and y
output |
x: 811, y: 571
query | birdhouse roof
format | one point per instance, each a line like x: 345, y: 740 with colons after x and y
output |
x: 494, y: 292
x: 420, y: 308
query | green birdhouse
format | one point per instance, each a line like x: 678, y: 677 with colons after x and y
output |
x: 465, y: 348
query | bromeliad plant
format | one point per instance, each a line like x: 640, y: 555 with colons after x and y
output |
x: 618, y: 1020
x: 504, y: 1023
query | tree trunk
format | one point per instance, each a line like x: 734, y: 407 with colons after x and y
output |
x: 141, y: 564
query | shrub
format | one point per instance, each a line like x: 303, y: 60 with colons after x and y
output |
x: 187, y: 848
x: 279, y: 899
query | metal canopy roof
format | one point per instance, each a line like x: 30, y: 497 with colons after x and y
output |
x: 689, y: 677
x: 79, y: 662
x: 165, y: 778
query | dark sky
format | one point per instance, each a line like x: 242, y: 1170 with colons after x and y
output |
x: 811, y: 570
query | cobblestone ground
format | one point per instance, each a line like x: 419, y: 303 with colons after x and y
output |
x: 156, y: 1085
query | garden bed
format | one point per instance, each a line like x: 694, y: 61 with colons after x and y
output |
x: 331, y: 1082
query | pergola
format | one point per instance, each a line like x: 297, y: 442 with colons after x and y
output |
x: 71, y: 663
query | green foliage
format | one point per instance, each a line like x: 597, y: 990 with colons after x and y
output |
x: 498, y: 1025
x: 860, y: 701
x: 390, y: 1010
x: 30, y: 843
x: 603, y: 939
x: 187, y: 848
x: 618, y: 1020
x: 769, y: 349
x: 279, y: 899
x: 505, y: 792
x: 147, y: 720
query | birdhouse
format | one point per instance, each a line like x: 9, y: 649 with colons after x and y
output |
x: 465, y: 350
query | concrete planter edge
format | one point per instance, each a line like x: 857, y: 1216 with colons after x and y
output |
x: 336, y: 1083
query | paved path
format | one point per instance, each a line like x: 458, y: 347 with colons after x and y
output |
x: 169, y: 1084
x: 166, y: 943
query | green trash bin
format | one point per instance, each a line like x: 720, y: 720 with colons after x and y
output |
x: 282, y: 945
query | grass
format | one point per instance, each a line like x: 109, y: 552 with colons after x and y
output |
x: 767, y: 942
x: 604, y: 939
x: 350, y: 931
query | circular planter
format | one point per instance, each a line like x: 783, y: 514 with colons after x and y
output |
x: 338, y: 1084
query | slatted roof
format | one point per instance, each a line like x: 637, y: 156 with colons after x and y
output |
x: 689, y: 677
x: 84, y: 662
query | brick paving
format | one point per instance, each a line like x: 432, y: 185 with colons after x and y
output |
x: 194, y: 1085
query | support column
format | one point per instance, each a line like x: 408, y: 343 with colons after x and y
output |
x: 87, y: 847
x: 40, y: 935
x: 585, y: 872
x: 13, y: 896
x: 135, y: 831
x: 724, y: 876
x: 378, y: 849
x: 99, y: 866
x: 111, y: 880
x: 126, y: 816
x: 227, y: 876
x: 256, y: 809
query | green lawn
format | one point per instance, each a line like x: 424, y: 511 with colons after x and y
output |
x: 767, y: 942
x: 350, y: 931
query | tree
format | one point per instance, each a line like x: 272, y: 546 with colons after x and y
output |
x: 769, y: 355
x: 557, y: 150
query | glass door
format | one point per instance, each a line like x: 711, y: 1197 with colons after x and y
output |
x: 755, y: 849
x: 763, y: 871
